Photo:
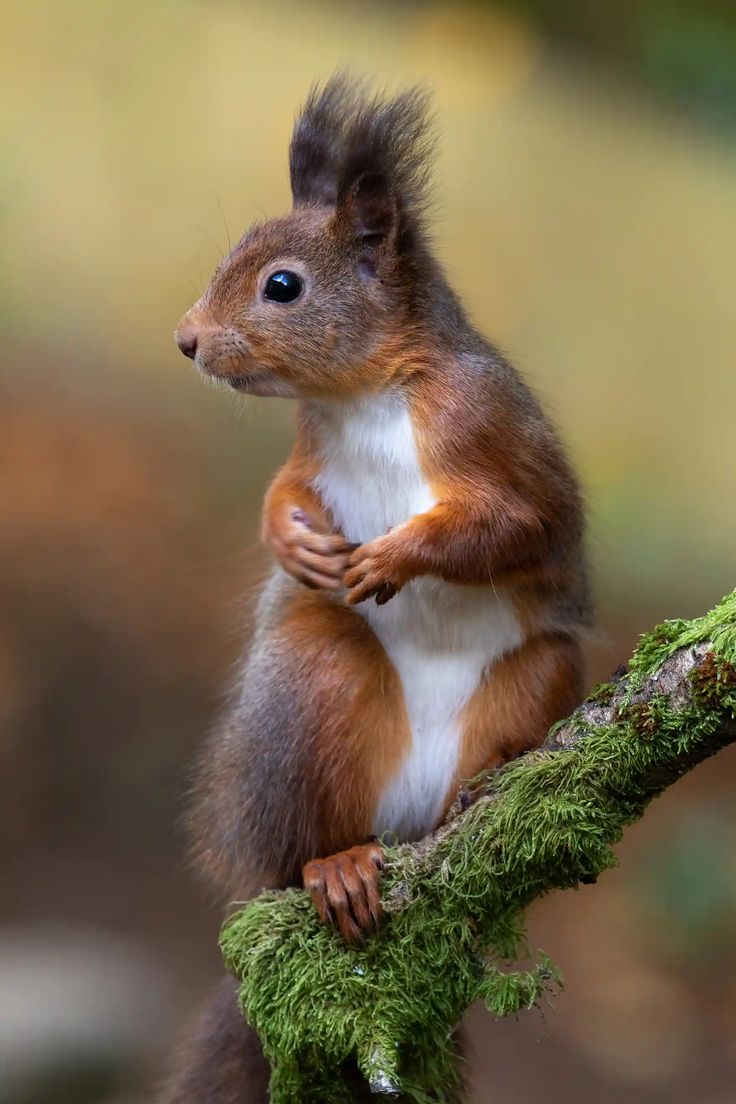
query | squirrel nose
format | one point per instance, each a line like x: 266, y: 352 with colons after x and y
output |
x: 187, y: 342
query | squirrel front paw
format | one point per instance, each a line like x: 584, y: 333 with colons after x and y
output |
x: 345, y: 890
x: 318, y: 560
x: 374, y: 571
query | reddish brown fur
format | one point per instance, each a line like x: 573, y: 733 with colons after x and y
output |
x: 321, y: 726
x: 508, y: 509
x: 363, y: 731
x: 518, y: 701
x: 353, y: 734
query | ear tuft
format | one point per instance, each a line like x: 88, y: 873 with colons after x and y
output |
x: 317, y: 143
x: 367, y: 154
x: 371, y: 209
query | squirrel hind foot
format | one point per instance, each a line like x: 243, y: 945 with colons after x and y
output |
x: 345, y: 889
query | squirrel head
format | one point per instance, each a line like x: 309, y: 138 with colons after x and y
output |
x: 305, y: 304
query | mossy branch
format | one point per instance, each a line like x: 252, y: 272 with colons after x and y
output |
x: 455, y: 902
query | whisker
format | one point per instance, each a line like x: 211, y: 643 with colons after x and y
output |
x: 224, y: 223
x: 206, y: 234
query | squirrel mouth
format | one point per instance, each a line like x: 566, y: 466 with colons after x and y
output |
x: 230, y: 376
x: 246, y: 383
x: 243, y: 375
x: 264, y: 384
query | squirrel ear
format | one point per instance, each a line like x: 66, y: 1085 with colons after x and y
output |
x: 370, y: 214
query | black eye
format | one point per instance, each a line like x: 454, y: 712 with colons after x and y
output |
x: 283, y: 287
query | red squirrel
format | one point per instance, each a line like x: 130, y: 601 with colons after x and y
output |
x: 423, y: 619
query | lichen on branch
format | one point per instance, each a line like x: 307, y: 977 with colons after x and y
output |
x: 332, y: 1017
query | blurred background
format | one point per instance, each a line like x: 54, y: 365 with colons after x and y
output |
x: 586, y: 212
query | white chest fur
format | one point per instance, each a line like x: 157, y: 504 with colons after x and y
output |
x: 439, y: 636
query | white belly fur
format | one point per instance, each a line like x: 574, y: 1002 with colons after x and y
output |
x: 439, y: 636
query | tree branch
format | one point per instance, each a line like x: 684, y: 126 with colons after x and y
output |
x: 455, y: 901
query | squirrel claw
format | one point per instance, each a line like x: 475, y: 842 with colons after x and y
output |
x: 373, y: 572
x: 345, y: 890
x: 363, y: 582
x: 385, y: 593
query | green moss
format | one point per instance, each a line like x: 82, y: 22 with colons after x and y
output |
x: 506, y: 994
x: 603, y: 693
x: 657, y: 645
x: 320, y: 1007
